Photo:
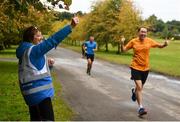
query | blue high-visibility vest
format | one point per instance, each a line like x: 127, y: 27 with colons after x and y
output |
x: 34, y: 75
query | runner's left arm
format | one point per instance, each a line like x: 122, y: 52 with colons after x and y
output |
x: 95, y: 47
x: 165, y: 44
x: 159, y: 45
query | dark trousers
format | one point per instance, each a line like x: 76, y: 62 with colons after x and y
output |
x: 43, y: 111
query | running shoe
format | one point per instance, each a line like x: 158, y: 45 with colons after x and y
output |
x: 142, y: 111
x: 133, y: 97
x: 87, y: 71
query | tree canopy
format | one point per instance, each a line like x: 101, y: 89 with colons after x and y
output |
x: 108, y: 21
x: 16, y: 15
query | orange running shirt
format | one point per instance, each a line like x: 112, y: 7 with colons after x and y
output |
x: 141, y: 50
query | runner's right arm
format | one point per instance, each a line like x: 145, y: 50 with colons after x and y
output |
x: 85, y: 46
x: 127, y: 47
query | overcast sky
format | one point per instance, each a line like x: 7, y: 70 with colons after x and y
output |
x: 163, y: 9
x: 166, y: 10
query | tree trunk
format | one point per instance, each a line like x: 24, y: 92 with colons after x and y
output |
x: 7, y: 45
x: 79, y: 43
x: 98, y: 48
x: 75, y: 43
x: 1, y: 46
x: 72, y: 42
x: 119, y: 47
x: 107, y: 49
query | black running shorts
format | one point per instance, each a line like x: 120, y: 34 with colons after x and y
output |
x: 139, y: 75
x: 90, y: 56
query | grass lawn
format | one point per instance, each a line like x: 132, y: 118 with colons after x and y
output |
x: 11, y: 102
x: 62, y: 111
x: 165, y: 61
x: 12, y: 105
x: 8, y: 53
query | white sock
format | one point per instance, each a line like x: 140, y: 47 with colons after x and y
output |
x: 140, y: 106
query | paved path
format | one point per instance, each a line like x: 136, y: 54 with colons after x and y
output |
x: 105, y: 95
x: 9, y: 59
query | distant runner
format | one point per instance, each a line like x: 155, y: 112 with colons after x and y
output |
x: 90, y: 46
x: 140, y: 63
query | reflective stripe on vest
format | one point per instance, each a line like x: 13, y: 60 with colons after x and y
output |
x: 37, y: 89
x: 28, y: 72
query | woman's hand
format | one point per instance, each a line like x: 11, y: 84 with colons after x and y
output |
x: 74, y: 21
x: 51, y: 61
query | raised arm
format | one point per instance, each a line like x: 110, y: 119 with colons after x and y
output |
x: 50, y: 43
x: 42, y: 48
x: 166, y: 42
x: 127, y: 47
x: 155, y: 44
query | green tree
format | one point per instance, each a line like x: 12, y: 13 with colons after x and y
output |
x: 129, y: 20
x: 152, y: 22
x: 79, y: 33
x: 64, y: 16
x: 108, y: 21
x: 13, y: 21
x: 160, y: 25
x: 166, y: 33
x: 3, y: 22
x: 102, y: 20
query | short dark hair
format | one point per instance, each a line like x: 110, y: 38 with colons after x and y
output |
x: 29, y: 33
x: 142, y: 27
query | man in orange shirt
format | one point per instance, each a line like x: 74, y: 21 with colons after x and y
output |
x: 140, y: 63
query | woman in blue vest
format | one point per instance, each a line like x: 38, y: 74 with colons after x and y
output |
x: 34, y: 75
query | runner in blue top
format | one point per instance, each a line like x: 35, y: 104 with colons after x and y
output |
x: 90, y: 46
